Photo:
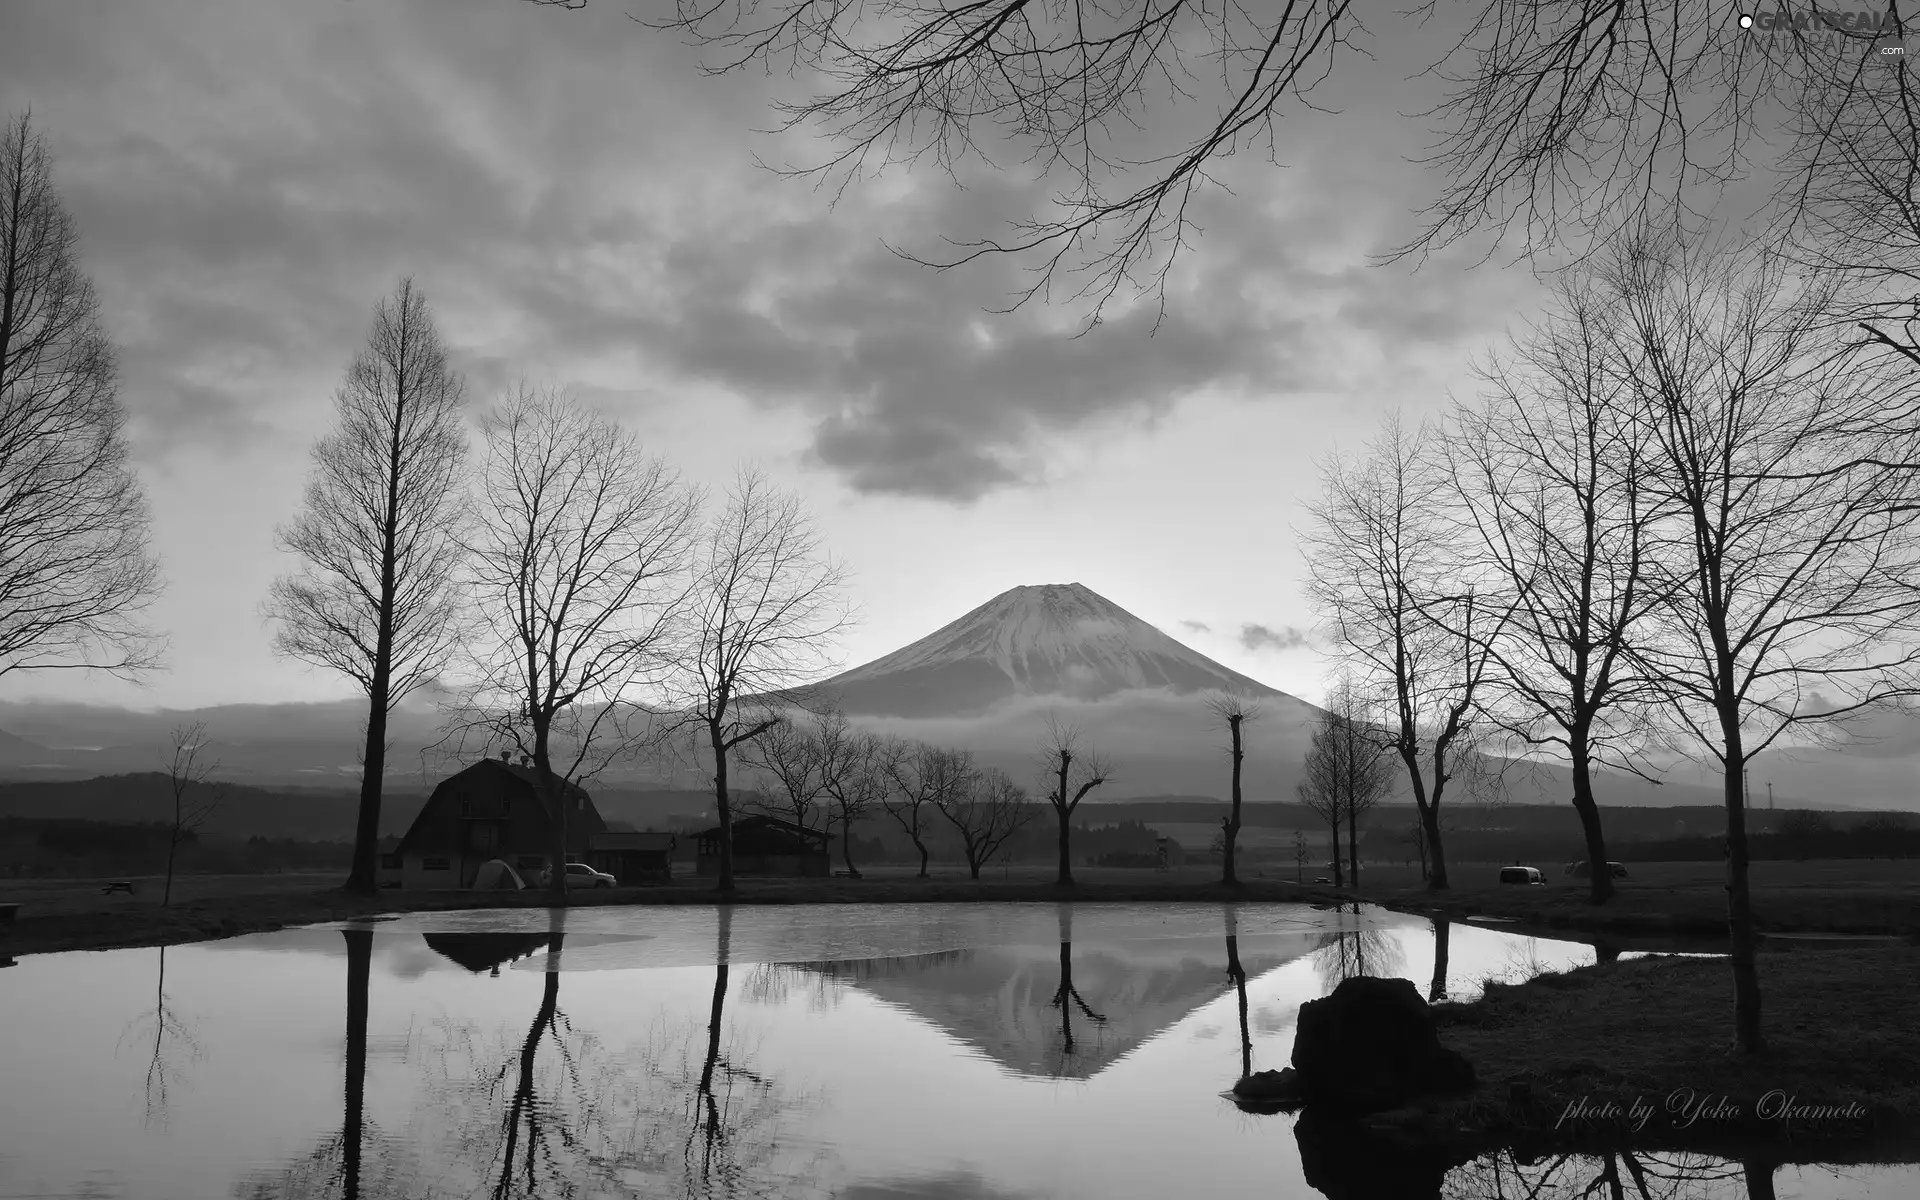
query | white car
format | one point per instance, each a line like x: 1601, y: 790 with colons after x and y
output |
x: 579, y: 875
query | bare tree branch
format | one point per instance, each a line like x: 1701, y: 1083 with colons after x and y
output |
x: 75, y: 569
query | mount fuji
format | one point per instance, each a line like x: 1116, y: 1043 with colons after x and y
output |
x: 988, y: 681
x: 1054, y: 639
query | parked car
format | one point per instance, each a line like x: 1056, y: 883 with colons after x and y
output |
x: 1579, y: 870
x: 578, y: 875
x: 1526, y: 876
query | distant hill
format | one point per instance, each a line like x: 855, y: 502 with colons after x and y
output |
x: 986, y: 682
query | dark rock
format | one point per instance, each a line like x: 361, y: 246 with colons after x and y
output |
x: 1372, y: 1045
x: 1271, y: 1089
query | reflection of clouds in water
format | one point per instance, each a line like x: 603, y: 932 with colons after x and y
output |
x: 1267, y: 1019
x: 959, y: 1185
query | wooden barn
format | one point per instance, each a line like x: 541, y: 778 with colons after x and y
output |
x: 633, y: 857
x: 765, y: 845
x: 493, y: 809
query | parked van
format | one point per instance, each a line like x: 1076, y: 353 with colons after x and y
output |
x: 1526, y: 876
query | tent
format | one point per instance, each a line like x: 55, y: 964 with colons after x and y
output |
x: 495, y: 875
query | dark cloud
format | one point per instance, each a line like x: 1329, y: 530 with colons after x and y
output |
x: 580, y: 203
x: 1197, y: 626
x: 1259, y: 637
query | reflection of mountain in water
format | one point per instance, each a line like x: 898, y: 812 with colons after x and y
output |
x: 1002, y: 1000
x: 479, y: 952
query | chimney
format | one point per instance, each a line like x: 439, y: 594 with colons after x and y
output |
x: 526, y: 760
x: 503, y: 756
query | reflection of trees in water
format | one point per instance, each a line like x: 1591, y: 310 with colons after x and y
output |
x: 774, y: 984
x: 1237, y: 975
x: 1066, y: 997
x: 1442, y: 934
x: 171, y: 1046
x: 1616, y: 1175
x: 334, y: 1167
x: 555, y: 1112
x: 1348, y: 953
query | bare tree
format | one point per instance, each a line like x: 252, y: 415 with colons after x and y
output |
x: 986, y: 808
x: 579, y: 572
x: 856, y: 771
x: 1234, y: 712
x: 767, y: 601
x: 75, y: 571
x: 1069, y: 775
x: 194, y: 803
x: 1365, y: 772
x: 1791, y: 570
x: 1346, y: 772
x: 377, y: 597
x: 1551, y: 475
x: 793, y: 757
x: 921, y: 775
x: 1386, y: 572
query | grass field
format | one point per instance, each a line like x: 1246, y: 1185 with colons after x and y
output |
x: 1842, y: 1029
x: 1837, y: 895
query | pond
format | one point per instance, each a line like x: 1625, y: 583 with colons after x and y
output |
x: 865, y: 1052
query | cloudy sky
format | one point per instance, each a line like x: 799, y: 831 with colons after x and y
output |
x: 584, y: 208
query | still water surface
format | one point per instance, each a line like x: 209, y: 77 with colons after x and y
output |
x: 988, y: 1052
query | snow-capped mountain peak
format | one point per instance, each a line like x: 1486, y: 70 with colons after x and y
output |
x: 1046, y: 639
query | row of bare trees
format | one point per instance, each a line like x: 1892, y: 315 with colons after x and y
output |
x: 569, y: 595
x: 821, y: 772
x: 1684, y: 520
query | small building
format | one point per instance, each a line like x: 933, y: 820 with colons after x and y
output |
x: 492, y: 809
x: 633, y: 857
x: 767, y: 845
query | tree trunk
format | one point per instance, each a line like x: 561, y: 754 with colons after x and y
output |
x: 922, y: 848
x: 1759, y: 1179
x: 359, y: 973
x: 1066, y: 859
x: 1436, y: 856
x: 1583, y: 803
x: 1338, y: 876
x: 363, y: 878
x: 723, y: 804
x: 1353, y: 844
x: 973, y: 866
x: 556, y: 808
x: 846, y: 844
x: 173, y: 844
x: 1232, y: 823
x: 1746, y: 978
x: 1437, y: 987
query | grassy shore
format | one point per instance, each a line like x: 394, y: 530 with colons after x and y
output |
x: 1638, y: 1053
x: 1688, y: 899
